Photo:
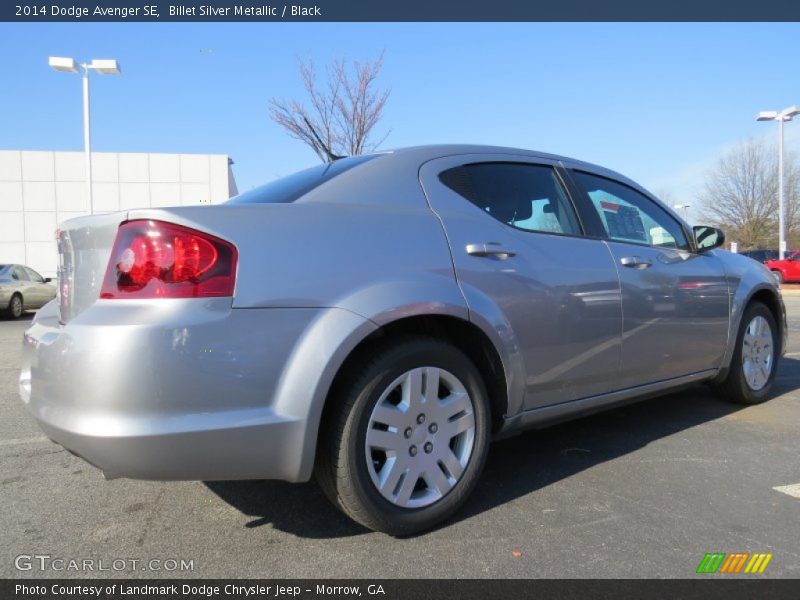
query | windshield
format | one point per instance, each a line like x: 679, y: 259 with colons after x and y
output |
x: 293, y: 187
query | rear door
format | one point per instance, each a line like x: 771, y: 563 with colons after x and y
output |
x: 525, y: 266
x: 674, y: 300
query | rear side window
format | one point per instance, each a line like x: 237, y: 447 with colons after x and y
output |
x: 527, y: 197
x: 293, y: 187
x: 629, y: 216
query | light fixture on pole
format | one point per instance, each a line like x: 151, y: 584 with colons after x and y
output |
x: 684, y: 207
x: 787, y: 114
x: 104, y: 67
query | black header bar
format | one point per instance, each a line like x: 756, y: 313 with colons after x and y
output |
x: 396, y: 10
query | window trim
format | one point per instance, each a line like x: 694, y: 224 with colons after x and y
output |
x: 593, y: 226
x: 692, y: 247
x: 559, y: 179
x: 34, y: 276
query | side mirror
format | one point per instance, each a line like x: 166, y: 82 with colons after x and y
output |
x: 48, y: 279
x: 707, y: 238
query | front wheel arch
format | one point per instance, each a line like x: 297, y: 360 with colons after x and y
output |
x: 767, y: 295
x: 733, y: 386
x: 775, y: 306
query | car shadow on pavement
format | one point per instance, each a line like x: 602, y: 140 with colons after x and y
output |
x: 515, y: 467
x: 299, y: 509
x: 26, y: 316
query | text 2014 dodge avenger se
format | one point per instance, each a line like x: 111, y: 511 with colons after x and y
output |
x: 376, y: 321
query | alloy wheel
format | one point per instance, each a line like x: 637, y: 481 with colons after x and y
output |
x: 420, y: 437
x: 757, y: 353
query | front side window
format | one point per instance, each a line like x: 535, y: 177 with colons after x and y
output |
x: 20, y: 274
x: 527, y: 197
x: 629, y: 216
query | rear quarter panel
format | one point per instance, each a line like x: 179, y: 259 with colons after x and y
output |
x: 377, y: 261
x: 369, y: 264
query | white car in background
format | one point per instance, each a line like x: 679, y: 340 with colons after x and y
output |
x: 22, y: 288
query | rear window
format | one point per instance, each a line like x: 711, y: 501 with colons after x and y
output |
x: 293, y: 187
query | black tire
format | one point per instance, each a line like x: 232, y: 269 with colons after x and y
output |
x: 778, y: 276
x: 734, y: 387
x: 15, y: 307
x: 342, y: 469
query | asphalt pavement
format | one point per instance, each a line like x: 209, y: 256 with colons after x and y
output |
x: 641, y: 491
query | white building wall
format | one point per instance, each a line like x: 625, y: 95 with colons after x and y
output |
x: 39, y: 189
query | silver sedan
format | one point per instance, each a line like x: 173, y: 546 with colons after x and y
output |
x: 22, y: 288
x: 377, y: 321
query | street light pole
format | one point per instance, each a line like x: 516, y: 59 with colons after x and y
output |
x: 685, y: 208
x: 87, y: 138
x: 104, y: 67
x: 787, y: 114
x: 781, y: 199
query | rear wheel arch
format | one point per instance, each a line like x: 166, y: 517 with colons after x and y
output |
x: 466, y: 336
x: 404, y: 486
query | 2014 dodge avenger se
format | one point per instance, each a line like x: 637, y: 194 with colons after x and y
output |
x: 376, y: 321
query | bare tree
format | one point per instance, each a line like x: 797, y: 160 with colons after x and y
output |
x: 340, y: 114
x: 741, y: 194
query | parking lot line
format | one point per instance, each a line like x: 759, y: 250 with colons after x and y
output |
x: 791, y: 490
x: 17, y: 441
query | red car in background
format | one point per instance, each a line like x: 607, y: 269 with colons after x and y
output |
x: 787, y: 269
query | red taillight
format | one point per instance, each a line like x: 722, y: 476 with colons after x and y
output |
x: 154, y: 259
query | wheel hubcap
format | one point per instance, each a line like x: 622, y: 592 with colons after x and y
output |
x: 16, y: 306
x: 757, y: 354
x: 420, y: 437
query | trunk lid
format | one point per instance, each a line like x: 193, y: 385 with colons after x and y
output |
x: 84, y: 247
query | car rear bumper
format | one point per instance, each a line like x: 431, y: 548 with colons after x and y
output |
x: 170, y: 389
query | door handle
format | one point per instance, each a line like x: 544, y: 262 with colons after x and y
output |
x: 490, y: 249
x: 634, y: 262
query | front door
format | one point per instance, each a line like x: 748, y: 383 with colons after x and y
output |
x: 674, y: 300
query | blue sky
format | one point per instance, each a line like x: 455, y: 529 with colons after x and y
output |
x: 657, y: 102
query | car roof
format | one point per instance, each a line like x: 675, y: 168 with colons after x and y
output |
x: 425, y: 153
